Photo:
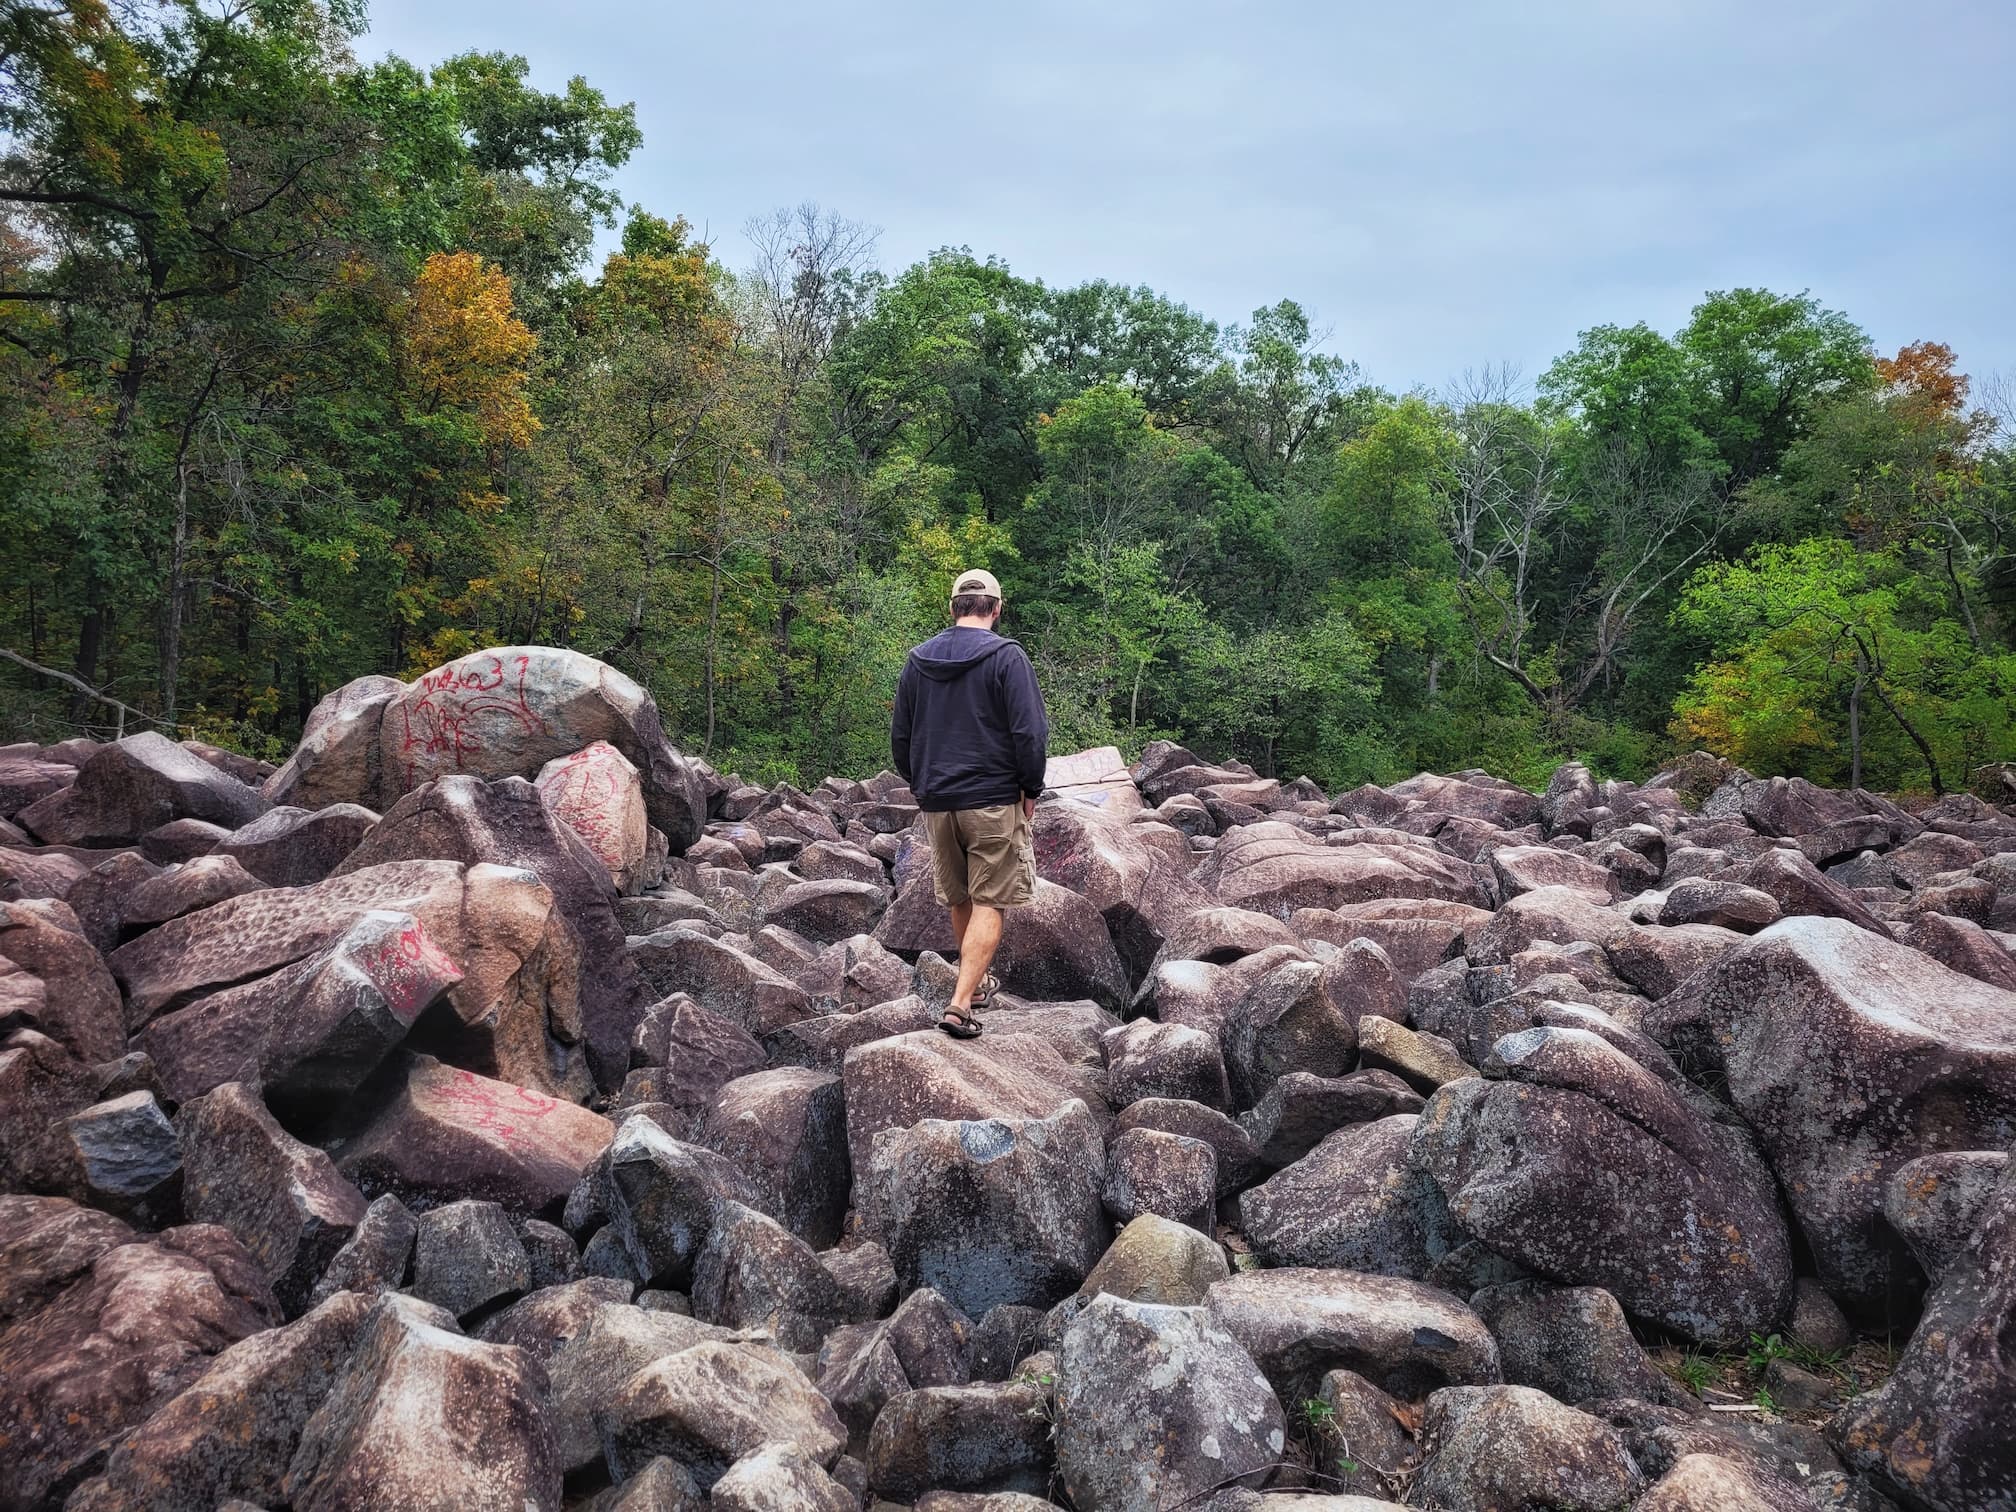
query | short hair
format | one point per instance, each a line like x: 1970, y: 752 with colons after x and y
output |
x: 970, y: 604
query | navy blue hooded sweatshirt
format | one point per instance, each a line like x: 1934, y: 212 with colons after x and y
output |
x: 968, y: 730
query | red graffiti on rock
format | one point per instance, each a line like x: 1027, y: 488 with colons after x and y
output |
x: 585, y: 792
x: 409, y: 969
x: 448, y: 723
x: 494, y: 1108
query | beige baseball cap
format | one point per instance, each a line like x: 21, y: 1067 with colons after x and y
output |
x: 976, y: 580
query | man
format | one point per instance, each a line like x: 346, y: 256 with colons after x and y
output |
x: 970, y: 737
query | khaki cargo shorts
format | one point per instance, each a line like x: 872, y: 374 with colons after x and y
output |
x: 983, y: 855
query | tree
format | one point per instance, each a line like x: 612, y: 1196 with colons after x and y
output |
x: 1824, y: 650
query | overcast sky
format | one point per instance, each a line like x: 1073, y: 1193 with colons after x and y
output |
x: 1441, y: 186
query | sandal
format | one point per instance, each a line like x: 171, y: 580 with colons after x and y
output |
x: 984, y: 993
x: 960, y: 1023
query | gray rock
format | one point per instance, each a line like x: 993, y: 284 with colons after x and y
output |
x: 1849, y: 1055
x: 780, y: 1478
x: 707, y: 1406
x: 126, y: 1155
x: 1571, y: 1342
x: 1510, y: 1448
x: 1404, y: 1337
x: 1353, y: 1203
x: 421, y: 1416
x: 468, y: 1256
x: 992, y: 1211
x: 966, y: 1438
x: 1169, y: 1175
x: 1154, y: 1259
x: 1157, y: 1404
x: 376, y: 1256
x: 1583, y: 1166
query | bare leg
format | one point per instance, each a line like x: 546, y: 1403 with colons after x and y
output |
x: 962, y: 915
x: 978, y: 941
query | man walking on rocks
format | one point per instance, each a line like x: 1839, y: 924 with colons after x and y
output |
x: 970, y: 737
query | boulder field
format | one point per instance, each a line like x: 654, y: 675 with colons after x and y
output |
x: 493, y: 1107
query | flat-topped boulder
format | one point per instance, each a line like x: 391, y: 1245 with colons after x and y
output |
x: 1273, y: 868
x: 443, y: 1133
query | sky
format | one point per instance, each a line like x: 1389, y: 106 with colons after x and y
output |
x: 1440, y: 186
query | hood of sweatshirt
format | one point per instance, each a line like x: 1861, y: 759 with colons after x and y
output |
x: 952, y: 652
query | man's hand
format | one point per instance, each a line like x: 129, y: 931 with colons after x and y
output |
x: 1028, y: 808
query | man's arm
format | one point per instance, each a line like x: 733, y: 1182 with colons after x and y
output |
x: 1028, y: 725
x: 899, y: 724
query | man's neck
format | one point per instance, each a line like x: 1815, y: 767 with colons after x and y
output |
x: 973, y: 622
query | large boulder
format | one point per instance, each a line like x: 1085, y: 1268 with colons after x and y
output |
x: 337, y: 758
x: 1511, y: 1448
x: 897, y: 1082
x: 663, y: 1196
x: 297, y: 847
x: 507, y: 711
x: 1849, y: 1054
x: 137, y: 1325
x: 1139, y: 893
x: 311, y: 1033
x: 1056, y: 948
x: 1157, y: 1405
x: 1587, y: 1168
x: 1273, y: 868
x: 137, y: 784
x: 505, y: 823
x: 422, y: 1416
x: 515, y: 1012
x: 597, y: 793
x: 234, y: 1430
x: 440, y: 1133
x: 1404, y: 1337
x: 726, y: 981
x: 610, y: 1340
x: 52, y: 979
x: 708, y: 1406
x: 1523, y: 868
x: 1937, y: 1431
x: 786, y: 1129
x: 1000, y: 1210
x: 1352, y: 1203
x: 285, y: 1200
x: 1572, y: 1342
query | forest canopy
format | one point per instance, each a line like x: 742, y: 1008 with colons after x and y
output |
x: 309, y: 369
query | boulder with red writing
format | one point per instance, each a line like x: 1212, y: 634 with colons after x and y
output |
x: 508, y: 711
x: 515, y: 1013
x: 441, y: 1133
x: 597, y: 793
x: 135, y: 785
x: 140, y: 1321
x: 308, y: 1034
x: 505, y: 823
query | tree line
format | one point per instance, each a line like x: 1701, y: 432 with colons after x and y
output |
x: 307, y: 370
